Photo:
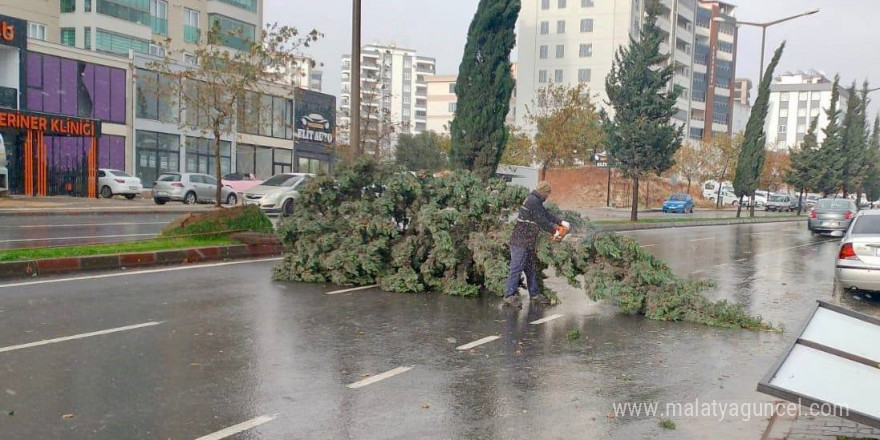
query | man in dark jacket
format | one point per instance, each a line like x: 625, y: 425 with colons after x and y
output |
x: 533, y: 219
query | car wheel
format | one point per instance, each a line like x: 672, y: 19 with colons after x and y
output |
x: 190, y: 198
x: 232, y: 199
x: 160, y: 201
x: 130, y: 196
x: 106, y: 192
x: 287, y: 208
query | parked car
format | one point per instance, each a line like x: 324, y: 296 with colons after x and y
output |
x: 811, y: 200
x: 679, y: 203
x: 276, y: 194
x: 190, y: 188
x: 240, y: 182
x: 858, y: 257
x: 710, y: 188
x: 831, y: 215
x: 113, y: 182
x: 781, y: 203
x: 728, y: 198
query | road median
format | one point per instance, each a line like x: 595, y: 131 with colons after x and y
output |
x: 690, y: 223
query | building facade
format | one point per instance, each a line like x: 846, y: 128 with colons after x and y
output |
x: 394, y: 91
x: 742, y: 91
x: 571, y: 41
x: 795, y: 100
x: 443, y: 100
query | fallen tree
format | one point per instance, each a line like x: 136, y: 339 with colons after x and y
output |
x: 375, y: 224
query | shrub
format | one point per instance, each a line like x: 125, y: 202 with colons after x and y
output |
x: 221, y: 222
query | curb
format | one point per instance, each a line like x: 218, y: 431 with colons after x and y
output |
x: 671, y: 225
x: 55, y: 266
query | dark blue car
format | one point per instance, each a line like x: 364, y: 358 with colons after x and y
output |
x: 679, y: 203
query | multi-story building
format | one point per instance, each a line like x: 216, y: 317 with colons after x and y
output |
x: 742, y: 90
x: 303, y: 73
x: 394, y: 90
x: 442, y: 102
x: 741, y: 109
x: 795, y: 100
x: 562, y: 41
x: 119, y: 26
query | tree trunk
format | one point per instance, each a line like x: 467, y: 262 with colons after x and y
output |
x: 219, y: 193
x: 542, y: 174
x: 752, y: 207
x: 634, y: 214
x: 800, y: 203
x: 739, y: 206
x: 859, y: 199
x: 689, y: 185
x: 719, y: 202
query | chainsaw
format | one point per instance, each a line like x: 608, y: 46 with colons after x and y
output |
x: 561, y: 231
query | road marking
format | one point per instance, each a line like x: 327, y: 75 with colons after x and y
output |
x: 74, y: 225
x: 648, y: 245
x: 138, y: 272
x: 697, y: 272
x: 477, y: 343
x: 76, y: 238
x: 702, y: 239
x: 378, y: 377
x: 79, y: 336
x: 741, y: 260
x: 353, y: 289
x: 547, y: 319
x: 241, y: 427
x: 797, y: 247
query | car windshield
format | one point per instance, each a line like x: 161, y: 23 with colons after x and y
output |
x: 118, y: 173
x: 285, y: 180
x: 169, y: 178
x: 834, y: 204
x: 678, y: 198
x: 777, y: 198
x: 867, y: 224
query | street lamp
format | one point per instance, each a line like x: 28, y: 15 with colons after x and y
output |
x: 354, y: 131
x: 764, y: 27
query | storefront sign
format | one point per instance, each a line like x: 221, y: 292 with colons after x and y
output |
x: 315, y: 118
x: 13, y: 32
x: 53, y: 125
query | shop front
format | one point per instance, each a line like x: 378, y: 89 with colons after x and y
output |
x: 315, y: 132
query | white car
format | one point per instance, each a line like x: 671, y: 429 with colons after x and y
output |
x: 727, y: 198
x: 275, y: 195
x: 113, y: 182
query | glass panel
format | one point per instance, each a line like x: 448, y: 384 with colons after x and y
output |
x: 263, y: 165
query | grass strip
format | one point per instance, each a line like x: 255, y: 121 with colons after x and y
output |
x: 157, y: 244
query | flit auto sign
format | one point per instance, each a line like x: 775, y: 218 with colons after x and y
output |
x: 315, y: 118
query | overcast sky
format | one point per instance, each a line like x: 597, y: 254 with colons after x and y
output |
x: 843, y: 38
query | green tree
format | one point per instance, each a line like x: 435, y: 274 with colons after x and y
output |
x: 568, y: 127
x: 828, y: 181
x: 420, y: 152
x: 484, y: 87
x: 872, y: 174
x: 803, y: 175
x: 751, y: 157
x: 519, y: 149
x: 640, y: 137
x: 854, y: 143
x: 722, y: 152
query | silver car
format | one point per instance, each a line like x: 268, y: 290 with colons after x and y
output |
x: 190, y: 188
x: 858, y: 258
x: 276, y: 194
x: 831, y: 216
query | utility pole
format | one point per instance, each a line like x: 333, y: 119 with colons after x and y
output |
x: 354, y: 136
x: 608, y: 190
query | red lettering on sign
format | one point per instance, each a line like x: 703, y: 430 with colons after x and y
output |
x: 7, y: 31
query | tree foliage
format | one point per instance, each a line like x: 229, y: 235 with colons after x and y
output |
x: 853, y: 143
x: 752, y: 156
x: 828, y: 181
x: 569, y: 130
x: 872, y: 174
x: 421, y: 152
x: 691, y: 162
x: 484, y: 87
x: 212, y: 93
x: 722, y: 153
x: 374, y: 224
x: 640, y: 136
x: 776, y: 166
x: 519, y: 149
x: 805, y: 163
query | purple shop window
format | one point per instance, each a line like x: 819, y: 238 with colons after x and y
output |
x: 89, y: 83
x: 68, y: 87
x: 34, y: 70
x: 117, y: 88
x: 34, y: 99
x: 102, y: 93
x: 104, y: 152
x: 51, y: 84
x: 117, y: 152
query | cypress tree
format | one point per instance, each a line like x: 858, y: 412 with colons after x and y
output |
x: 829, y: 152
x: 751, y: 157
x: 805, y: 164
x: 872, y: 174
x: 853, y: 143
x: 484, y: 87
x: 640, y: 136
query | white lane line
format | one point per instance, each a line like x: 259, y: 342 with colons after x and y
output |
x: 138, y: 272
x: 648, y: 245
x: 353, y: 289
x: 241, y: 427
x: 76, y: 238
x: 477, y: 343
x: 74, y: 225
x: 378, y: 377
x: 79, y: 336
x: 547, y: 319
x: 702, y: 239
x: 797, y: 247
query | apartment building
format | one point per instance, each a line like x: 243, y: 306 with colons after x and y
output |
x: 442, y: 102
x: 117, y: 27
x: 796, y: 98
x: 571, y: 41
x: 394, y: 90
x: 742, y: 90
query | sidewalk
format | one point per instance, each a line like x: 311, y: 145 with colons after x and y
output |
x: 817, y: 428
x: 58, y: 205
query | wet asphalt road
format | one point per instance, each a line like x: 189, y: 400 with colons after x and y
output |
x: 226, y: 345
x: 62, y: 230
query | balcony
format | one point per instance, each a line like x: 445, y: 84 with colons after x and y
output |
x: 422, y: 68
x: 191, y: 34
x: 159, y: 26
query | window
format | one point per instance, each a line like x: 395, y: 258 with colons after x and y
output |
x: 157, y: 51
x: 557, y: 76
x: 250, y: 5
x: 68, y: 6
x: 68, y: 36
x: 159, y: 15
x: 583, y: 75
x: 801, y: 129
x: 265, y: 115
x: 815, y: 103
x: 157, y: 153
x: 586, y: 3
x: 545, y: 27
x: 119, y: 44
x: 814, y: 112
x: 235, y: 34
x: 405, y: 113
x: 586, y: 50
x: 545, y: 4
x: 802, y: 111
x: 587, y: 25
x: 87, y: 5
x: 452, y: 88
x: 560, y: 50
x: 783, y: 97
x: 36, y: 31
x: 135, y: 11
x: 452, y: 107
x: 190, y: 59
x: 542, y: 76
x: 87, y: 38
x: 783, y: 112
x: 783, y: 129
x: 152, y: 101
x: 561, y: 4
x: 560, y: 27
x: 542, y: 52
x: 200, y: 156
x: 803, y: 96
x: 725, y: 46
x: 191, y: 25
x: 407, y: 76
